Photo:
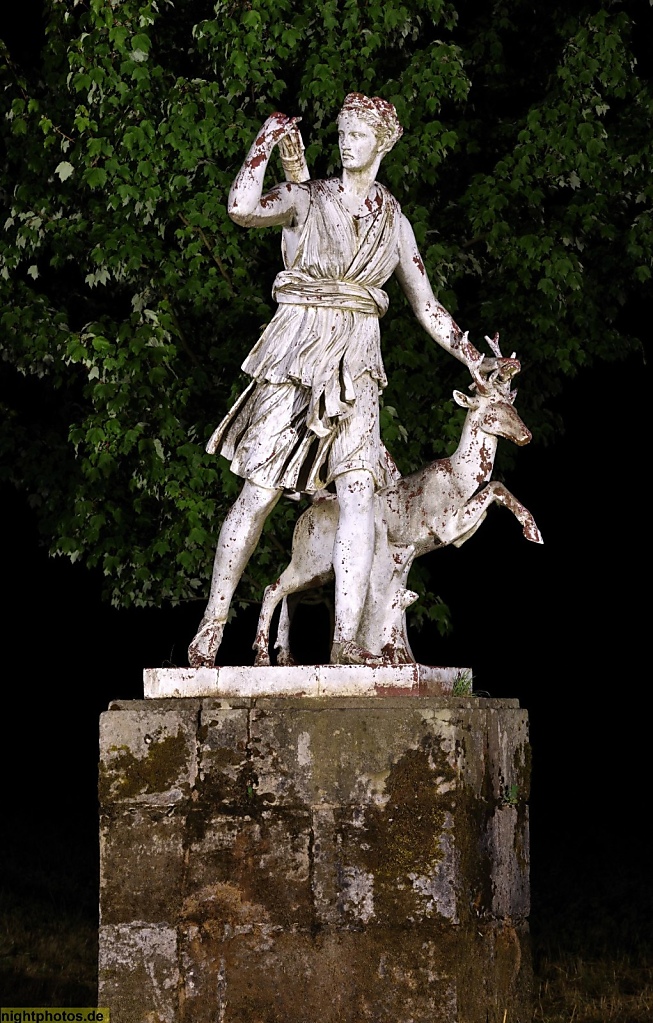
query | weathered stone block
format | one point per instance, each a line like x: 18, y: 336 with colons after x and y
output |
x: 146, y: 845
x: 140, y: 973
x: 266, y: 859
x: 332, y: 859
x: 148, y: 752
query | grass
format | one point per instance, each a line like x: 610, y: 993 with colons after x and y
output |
x: 592, y: 937
x: 612, y: 989
x: 463, y: 685
x: 48, y: 927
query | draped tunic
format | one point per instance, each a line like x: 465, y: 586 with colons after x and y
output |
x: 325, y: 333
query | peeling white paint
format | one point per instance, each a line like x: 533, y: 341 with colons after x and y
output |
x: 358, y: 893
x: 437, y: 888
x: 131, y: 948
x: 370, y: 788
x: 304, y: 756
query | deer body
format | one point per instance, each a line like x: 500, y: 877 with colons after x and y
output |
x: 443, y: 503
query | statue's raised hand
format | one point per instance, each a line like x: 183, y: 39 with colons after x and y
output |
x: 245, y: 193
x: 291, y: 151
x: 291, y: 146
x: 274, y: 130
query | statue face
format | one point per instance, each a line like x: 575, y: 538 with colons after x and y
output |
x: 359, y: 146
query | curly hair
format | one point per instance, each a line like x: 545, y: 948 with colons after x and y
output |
x: 380, y: 115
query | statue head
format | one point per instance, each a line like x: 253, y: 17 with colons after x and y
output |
x: 378, y: 114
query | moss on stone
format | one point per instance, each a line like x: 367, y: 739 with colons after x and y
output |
x: 127, y: 776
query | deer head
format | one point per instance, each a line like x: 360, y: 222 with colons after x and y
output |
x: 493, y: 399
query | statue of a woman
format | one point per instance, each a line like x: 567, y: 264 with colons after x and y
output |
x: 310, y: 416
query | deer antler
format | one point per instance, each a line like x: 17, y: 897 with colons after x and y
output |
x: 508, y: 367
x: 494, y: 344
x: 480, y: 383
x: 498, y: 373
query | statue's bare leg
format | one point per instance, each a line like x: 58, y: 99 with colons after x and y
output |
x: 352, y: 563
x: 238, y: 538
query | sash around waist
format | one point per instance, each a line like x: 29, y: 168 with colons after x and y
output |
x: 293, y: 288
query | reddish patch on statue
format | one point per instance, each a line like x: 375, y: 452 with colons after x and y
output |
x: 416, y: 690
x: 418, y: 263
x: 470, y: 352
x: 256, y: 161
x: 487, y: 463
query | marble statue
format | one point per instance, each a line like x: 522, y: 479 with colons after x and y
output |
x: 444, y: 503
x: 310, y: 416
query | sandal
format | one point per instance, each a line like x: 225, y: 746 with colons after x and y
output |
x: 349, y: 652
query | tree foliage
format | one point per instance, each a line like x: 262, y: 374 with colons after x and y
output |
x: 130, y: 298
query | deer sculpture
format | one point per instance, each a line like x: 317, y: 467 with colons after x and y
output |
x: 443, y: 503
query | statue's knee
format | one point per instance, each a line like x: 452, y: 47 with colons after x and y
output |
x: 355, y: 489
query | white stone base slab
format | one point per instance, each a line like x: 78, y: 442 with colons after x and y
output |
x: 304, y: 680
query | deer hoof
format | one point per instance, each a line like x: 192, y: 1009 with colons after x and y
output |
x: 531, y: 532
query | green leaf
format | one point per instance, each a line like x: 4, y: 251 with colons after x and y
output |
x: 95, y: 177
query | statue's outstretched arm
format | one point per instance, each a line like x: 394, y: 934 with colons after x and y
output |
x: 435, y: 319
x: 247, y: 205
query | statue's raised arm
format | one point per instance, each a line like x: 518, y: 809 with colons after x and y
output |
x: 247, y: 205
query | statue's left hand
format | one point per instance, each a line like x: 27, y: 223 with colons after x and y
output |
x: 506, y: 367
x: 488, y: 365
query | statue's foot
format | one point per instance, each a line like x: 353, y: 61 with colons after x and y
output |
x: 396, y: 654
x: 202, y: 651
x: 349, y: 652
x: 285, y: 659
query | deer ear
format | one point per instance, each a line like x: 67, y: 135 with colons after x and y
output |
x: 465, y: 400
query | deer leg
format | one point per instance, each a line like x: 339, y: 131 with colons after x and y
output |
x: 522, y: 514
x: 282, y: 642
x: 261, y: 645
x: 290, y: 581
x: 310, y: 566
x: 468, y: 518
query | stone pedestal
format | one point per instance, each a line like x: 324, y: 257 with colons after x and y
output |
x: 315, y: 861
